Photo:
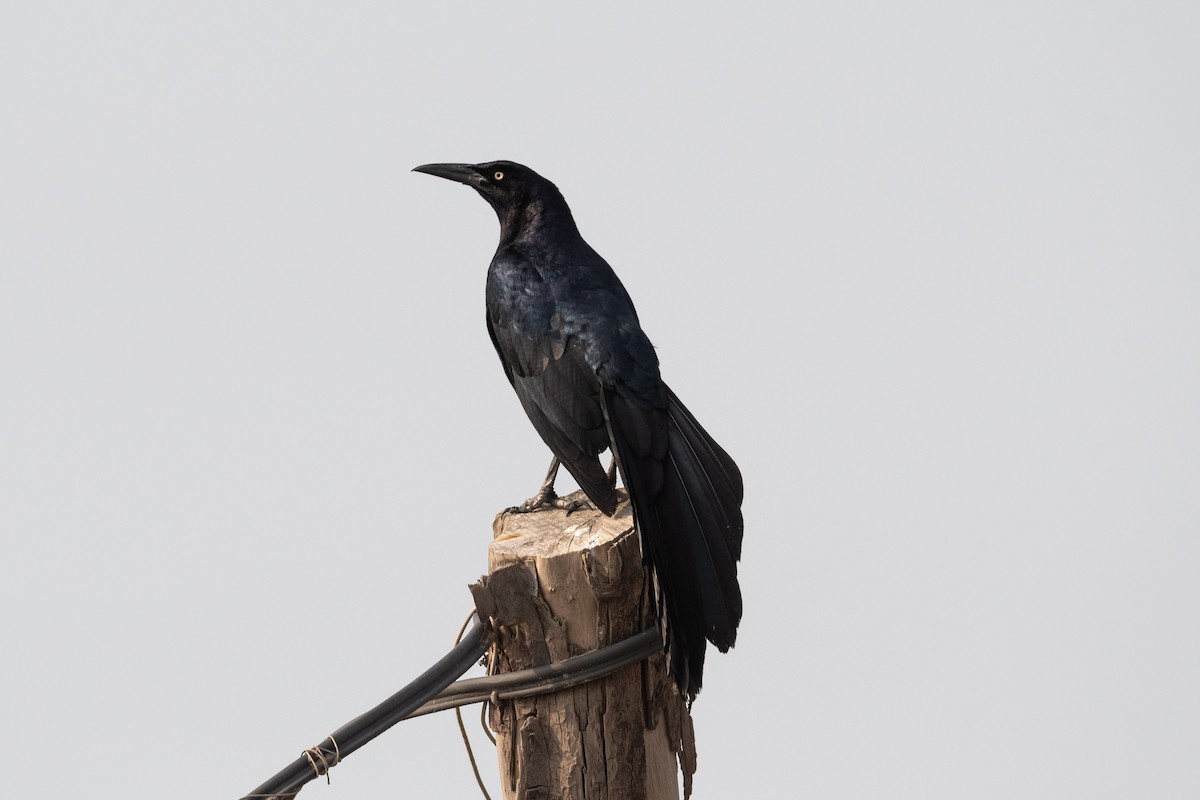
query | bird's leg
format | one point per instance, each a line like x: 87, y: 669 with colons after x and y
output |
x: 612, y: 471
x: 546, y: 493
x: 547, y: 497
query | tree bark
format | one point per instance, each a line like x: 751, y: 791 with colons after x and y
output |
x: 560, y: 585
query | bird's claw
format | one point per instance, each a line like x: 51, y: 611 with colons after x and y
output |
x: 544, y: 501
x: 571, y: 506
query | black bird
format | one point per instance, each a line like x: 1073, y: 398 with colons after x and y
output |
x: 574, y: 351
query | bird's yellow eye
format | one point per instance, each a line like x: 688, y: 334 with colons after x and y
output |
x: 499, y: 176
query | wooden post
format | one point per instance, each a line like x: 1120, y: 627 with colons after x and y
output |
x: 560, y: 585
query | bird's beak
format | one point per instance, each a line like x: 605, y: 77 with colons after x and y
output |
x: 461, y: 173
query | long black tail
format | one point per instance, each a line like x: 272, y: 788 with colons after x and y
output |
x: 687, y: 496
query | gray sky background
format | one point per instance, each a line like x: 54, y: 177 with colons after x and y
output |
x: 930, y: 273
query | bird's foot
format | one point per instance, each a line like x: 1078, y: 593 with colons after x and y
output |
x: 545, y: 500
x: 571, y: 506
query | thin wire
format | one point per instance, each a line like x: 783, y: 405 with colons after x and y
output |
x: 462, y: 728
x: 317, y: 753
x: 493, y: 654
x: 323, y: 769
x: 483, y: 721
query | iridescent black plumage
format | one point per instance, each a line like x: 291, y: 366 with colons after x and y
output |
x: 571, y: 345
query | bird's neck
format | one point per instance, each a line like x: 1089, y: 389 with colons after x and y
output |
x: 538, y: 222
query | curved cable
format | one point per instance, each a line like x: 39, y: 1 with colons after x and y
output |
x: 365, y: 727
x: 436, y: 690
x: 551, y: 678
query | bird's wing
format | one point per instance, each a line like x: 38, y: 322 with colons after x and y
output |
x: 548, y: 369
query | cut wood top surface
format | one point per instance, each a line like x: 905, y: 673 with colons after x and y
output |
x: 552, y: 532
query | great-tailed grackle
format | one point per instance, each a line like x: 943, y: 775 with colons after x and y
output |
x: 574, y: 351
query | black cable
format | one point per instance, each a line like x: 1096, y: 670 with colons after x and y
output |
x: 365, y: 727
x: 550, y: 678
x: 435, y: 690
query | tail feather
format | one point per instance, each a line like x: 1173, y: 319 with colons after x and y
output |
x: 725, y: 475
x: 686, y: 493
x: 691, y: 492
x: 721, y: 500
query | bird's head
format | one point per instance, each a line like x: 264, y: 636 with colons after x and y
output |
x: 518, y: 194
